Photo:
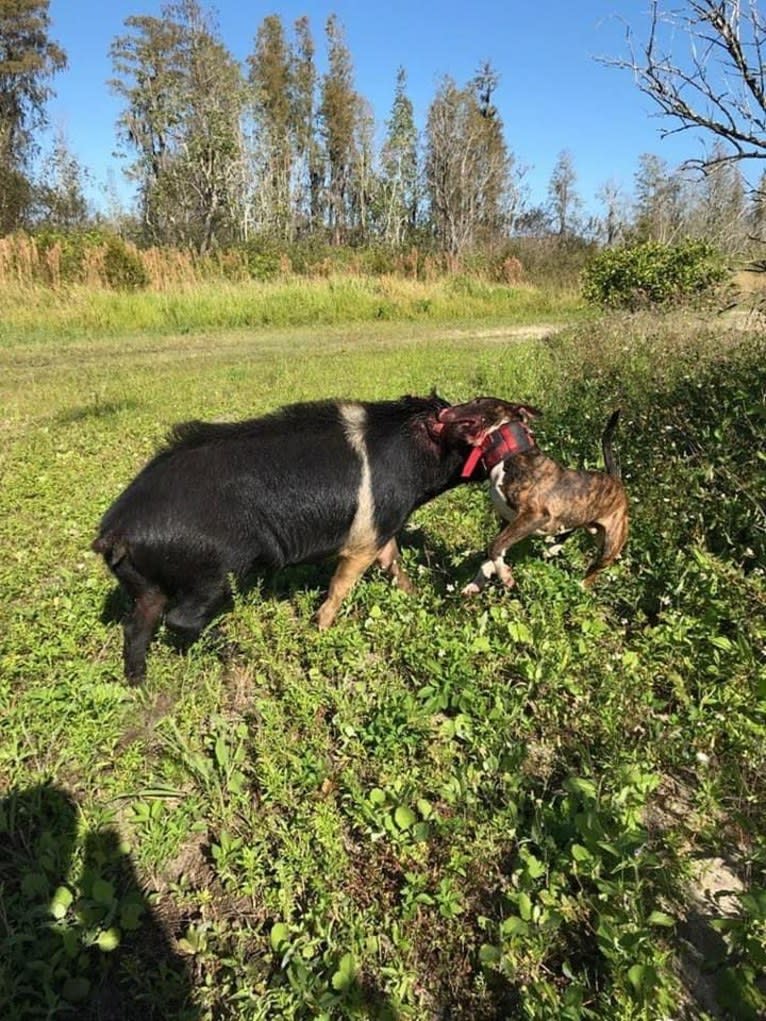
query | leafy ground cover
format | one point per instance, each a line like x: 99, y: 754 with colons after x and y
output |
x: 548, y: 804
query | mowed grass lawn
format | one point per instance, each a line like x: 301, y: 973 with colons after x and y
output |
x: 544, y: 804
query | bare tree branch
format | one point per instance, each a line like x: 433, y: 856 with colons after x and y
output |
x: 720, y: 87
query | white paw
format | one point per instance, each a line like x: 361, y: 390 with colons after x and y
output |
x: 471, y: 589
x: 553, y: 551
x: 504, y: 574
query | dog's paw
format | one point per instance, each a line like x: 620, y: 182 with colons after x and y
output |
x: 471, y: 589
x: 506, y: 578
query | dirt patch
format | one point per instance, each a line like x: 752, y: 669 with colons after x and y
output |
x: 712, y: 895
x: 144, y: 728
x: 504, y: 334
x: 750, y: 281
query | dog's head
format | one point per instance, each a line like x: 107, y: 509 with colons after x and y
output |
x: 471, y: 422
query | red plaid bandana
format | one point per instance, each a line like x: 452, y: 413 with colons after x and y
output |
x: 506, y: 441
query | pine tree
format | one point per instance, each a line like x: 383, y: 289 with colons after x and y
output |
x: 28, y: 58
x: 467, y: 169
x: 184, y: 98
x: 565, y: 203
x: 338, y: 112
x: 400, y: 167
x: 60, y: 194
x: 660, y: 201
x: 310, y: 177
x: 498, y: 198
x: 271, y: 80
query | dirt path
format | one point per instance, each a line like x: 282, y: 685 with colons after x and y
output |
x: 502, y: 334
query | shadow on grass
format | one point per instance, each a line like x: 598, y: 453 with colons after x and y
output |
x: 283, y: 585
x: 82, y: 942
x: 98, y: 409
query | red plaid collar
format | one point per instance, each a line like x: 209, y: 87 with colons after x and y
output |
x: 509, y: 439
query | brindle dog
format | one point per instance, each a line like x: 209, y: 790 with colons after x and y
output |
x: 531, y: 491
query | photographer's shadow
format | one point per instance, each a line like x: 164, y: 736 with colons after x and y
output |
x: 78, y: 941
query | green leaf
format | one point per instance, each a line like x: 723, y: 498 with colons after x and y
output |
x: 535, y: 868
x: 61, y: 901
x: 721, y: 642
x: 130, y: 915
x: 660, y: 918
x: 525, y: 906
x: 103, y: 892
x: 279, y: 935
x: 580, y: 853
x: 34, y: 884
x: 421, y: 831
x: 489, y: 954
x: 344, y: 976
x: 404, y: 817
x: 579, y: 785
x: 377, y: 796
x: 520, y: 633
x: 514, y: 926
x: 109, y: 939
x: 76, y: 989
x: 636, y: 975
x: 425, y: 808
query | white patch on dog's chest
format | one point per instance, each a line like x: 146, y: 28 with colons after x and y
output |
x: 497, y: 493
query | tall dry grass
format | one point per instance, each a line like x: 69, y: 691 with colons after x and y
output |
x: 88, y: 285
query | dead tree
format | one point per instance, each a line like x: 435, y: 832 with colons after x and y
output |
x: 720, y: 86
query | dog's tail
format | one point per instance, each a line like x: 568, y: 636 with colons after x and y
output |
x: 610, y: 461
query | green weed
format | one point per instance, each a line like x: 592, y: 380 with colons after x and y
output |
x: 492, y: 808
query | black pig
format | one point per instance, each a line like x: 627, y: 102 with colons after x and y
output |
x: 306, y: 482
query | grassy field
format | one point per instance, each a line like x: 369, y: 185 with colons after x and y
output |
x: 31, y: 312
x: 542, y: 805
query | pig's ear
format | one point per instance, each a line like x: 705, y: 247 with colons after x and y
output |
x: 440, y: 397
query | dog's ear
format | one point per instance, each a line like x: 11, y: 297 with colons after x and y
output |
x: 528, y: 411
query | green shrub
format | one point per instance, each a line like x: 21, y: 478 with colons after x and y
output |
x: 71, y: 248
x: 123, y: 268
x: 651, y: 274
x: 261, y: 259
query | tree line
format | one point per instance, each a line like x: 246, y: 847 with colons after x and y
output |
x: 223, y: 153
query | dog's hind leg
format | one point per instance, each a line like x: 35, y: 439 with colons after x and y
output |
x: 612, y: 534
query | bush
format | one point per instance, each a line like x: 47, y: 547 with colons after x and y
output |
x: 652, y: 274
x: 123, y: 268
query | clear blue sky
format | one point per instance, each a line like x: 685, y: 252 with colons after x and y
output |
x: 553, y: 94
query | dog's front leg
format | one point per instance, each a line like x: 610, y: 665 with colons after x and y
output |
x: 485, y: 572
x: 524, y: 524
